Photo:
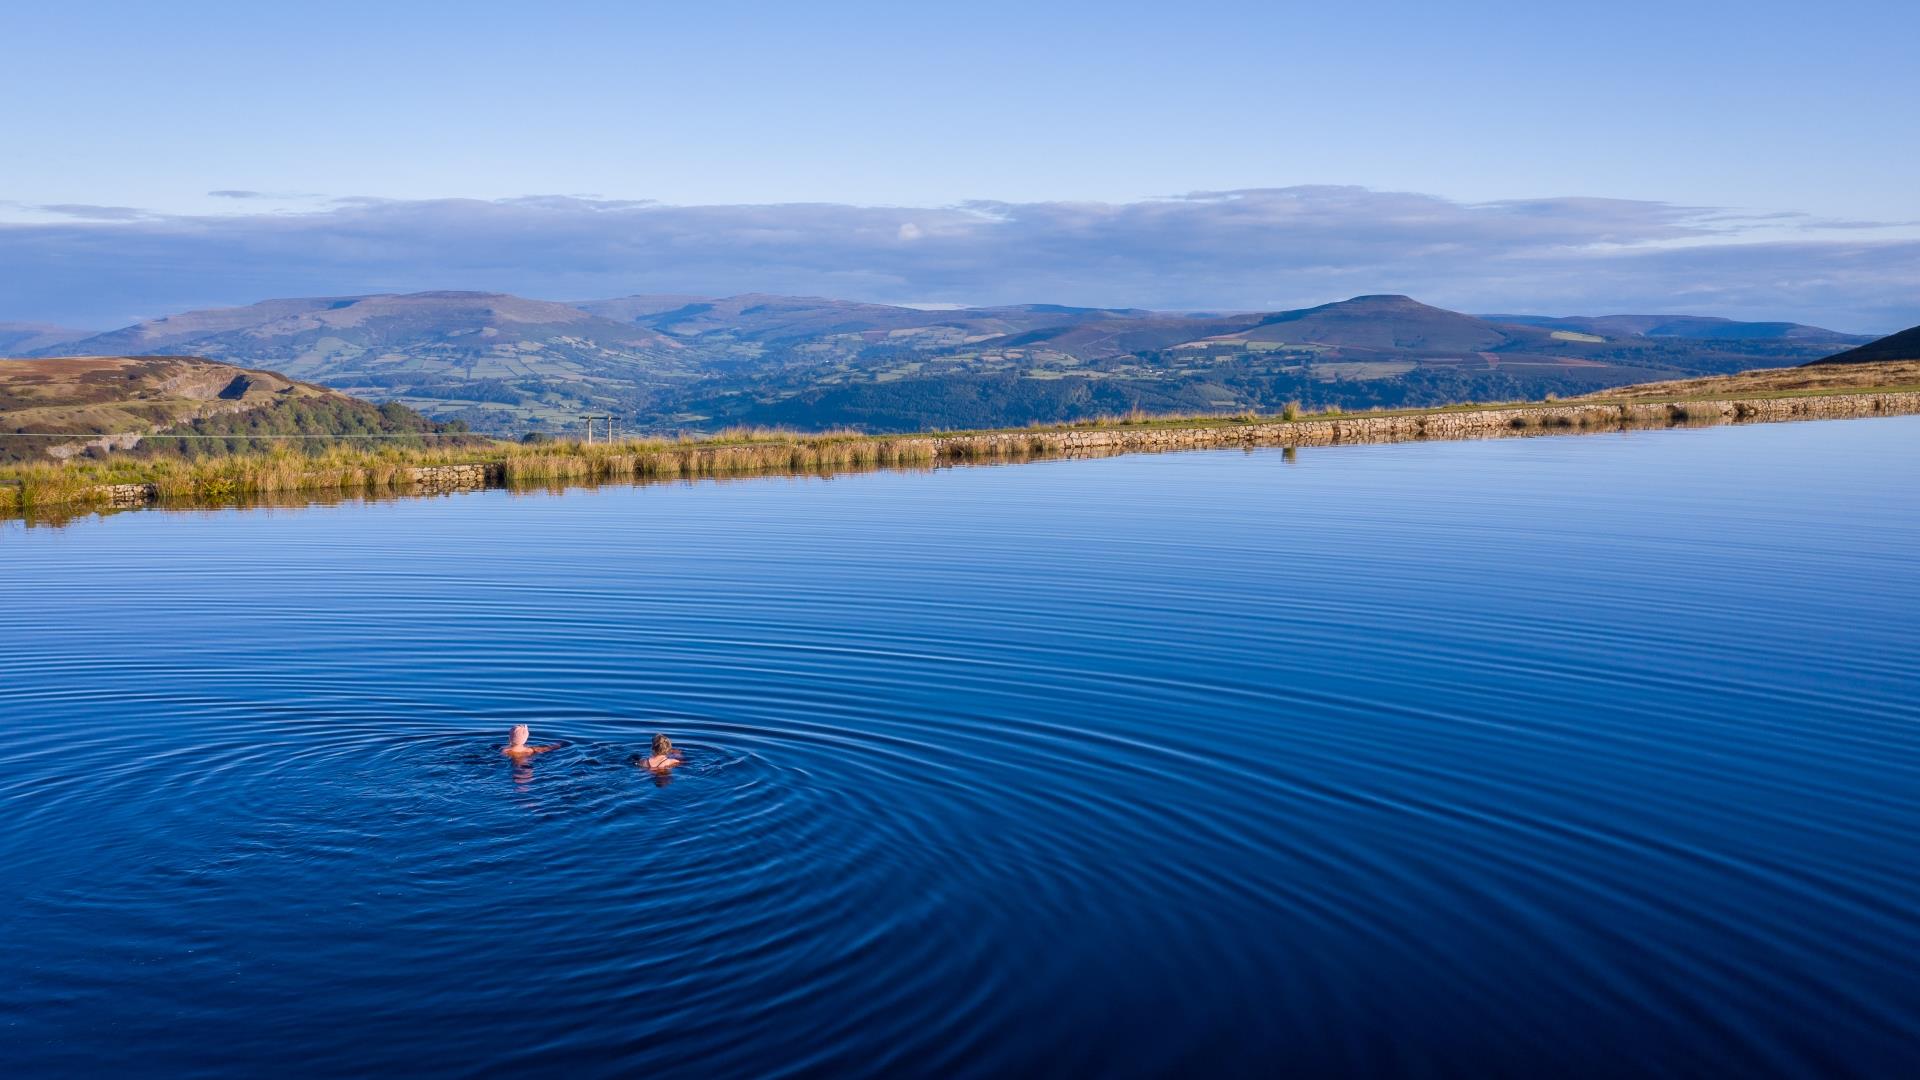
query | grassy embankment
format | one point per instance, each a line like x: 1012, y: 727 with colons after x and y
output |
x: 382, y: 468
x: 387, y: 468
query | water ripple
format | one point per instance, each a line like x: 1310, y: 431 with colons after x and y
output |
x: 1521, y: 758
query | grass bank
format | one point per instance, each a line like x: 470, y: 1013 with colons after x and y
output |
x: 1756, y: 396
x: 349, y: 467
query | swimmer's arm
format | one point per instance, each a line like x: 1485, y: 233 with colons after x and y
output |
x: 543, y: 749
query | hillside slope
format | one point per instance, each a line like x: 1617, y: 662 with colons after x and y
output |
x: 1685, y: 327
x: 502, y: 358
x: 122, y: 403
x: 1904, y: 345
x: 1838, y: 378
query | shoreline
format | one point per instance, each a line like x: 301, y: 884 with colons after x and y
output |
x: 23, y: 490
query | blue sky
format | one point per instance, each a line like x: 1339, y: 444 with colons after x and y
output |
x: 1764, y: 153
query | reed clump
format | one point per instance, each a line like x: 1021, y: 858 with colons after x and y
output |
x: 25, y: 486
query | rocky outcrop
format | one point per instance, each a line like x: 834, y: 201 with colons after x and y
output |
x: 125, y: 440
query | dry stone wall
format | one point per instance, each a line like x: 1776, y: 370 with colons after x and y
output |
x: 130, y: 494
x: 434, y: 478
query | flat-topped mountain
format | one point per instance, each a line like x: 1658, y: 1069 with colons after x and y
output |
x: 756, y: 315
x: 767, y: 318
x: 122, y: 399
x: 1904, y: 345
x: 1389, y: 322
x: 491, y: 319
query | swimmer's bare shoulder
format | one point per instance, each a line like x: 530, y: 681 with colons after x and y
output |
x: 517, y: 747
x: 664, y: 756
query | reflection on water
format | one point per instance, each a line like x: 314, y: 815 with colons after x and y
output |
x: 1536, y: 757
x: 61, y: 515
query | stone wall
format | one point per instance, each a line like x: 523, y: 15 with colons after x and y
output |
x: 457, y: 477
x: 130, y: 494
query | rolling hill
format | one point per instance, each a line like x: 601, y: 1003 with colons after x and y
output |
x: 678, y: 362
x: 127, y: 400
x: 531, y: 362
x: 1686, y: 327
x: 1835, y: 378
x: 21, y: 338
x: 1381, y: 350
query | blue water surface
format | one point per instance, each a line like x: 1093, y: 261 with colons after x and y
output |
x: 1531, y: 757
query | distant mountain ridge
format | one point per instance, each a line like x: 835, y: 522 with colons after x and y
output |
x: 1691, y: 327
x: 684, y: 362
x: 552, y: 360
x: 765, y: 317
x: 17, y: 338
x: 374, y: 319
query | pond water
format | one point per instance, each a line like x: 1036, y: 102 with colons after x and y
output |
x: 1526, y: 757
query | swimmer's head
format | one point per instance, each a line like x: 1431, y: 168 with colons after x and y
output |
x: 518, y: 737
x: 661, y: 744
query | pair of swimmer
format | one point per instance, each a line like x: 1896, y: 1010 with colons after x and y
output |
x: 664, y: 755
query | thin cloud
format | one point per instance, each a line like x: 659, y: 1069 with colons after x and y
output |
x: 89, y: 212
x: 245, y: 194
x: 1211, y: 250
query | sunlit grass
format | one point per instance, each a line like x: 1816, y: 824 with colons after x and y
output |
x: 344, y: 467
x: 350, y: 467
